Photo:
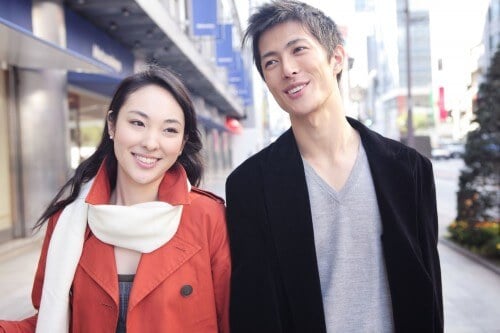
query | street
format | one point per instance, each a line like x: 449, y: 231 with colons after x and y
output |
x: 471, y: 291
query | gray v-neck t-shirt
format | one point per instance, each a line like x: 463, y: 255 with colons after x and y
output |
x: 347, y: 229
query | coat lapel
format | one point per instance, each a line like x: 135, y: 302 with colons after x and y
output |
x: 392, y: 173
x: 290, y: 222
x: 158, y: 265
x: 393, y: 181
x: 98, y: 261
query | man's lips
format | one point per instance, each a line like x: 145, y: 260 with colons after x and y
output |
x: 295, y: 88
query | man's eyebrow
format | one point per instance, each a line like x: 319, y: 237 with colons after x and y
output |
x: 288, y: 45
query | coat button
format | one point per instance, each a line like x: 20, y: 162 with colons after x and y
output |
x: 186, y: 290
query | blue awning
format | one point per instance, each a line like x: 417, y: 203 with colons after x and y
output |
x: 98, y: 83
x: 19, y: 47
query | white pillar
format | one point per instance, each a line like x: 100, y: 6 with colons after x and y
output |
x: 43, y: 117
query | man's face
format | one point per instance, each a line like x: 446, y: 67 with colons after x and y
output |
x: 296, y: 69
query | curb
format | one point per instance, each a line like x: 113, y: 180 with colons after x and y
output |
x: 470, y: 255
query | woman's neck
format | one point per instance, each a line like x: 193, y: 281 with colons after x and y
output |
x: 127, y: 195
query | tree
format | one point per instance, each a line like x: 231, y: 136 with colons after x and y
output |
x: 478, y: 197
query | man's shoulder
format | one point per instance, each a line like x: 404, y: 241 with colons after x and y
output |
x: 390, y: 146
x: 266, y: 154
x: 250, y: 166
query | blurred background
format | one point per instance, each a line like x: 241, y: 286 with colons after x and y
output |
x: 423, y: 72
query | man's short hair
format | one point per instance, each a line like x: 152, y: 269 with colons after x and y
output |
x: 322, y: 27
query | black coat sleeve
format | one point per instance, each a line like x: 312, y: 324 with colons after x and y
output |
x: 428, y: 232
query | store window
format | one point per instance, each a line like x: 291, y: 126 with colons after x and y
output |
x: 86, y: 121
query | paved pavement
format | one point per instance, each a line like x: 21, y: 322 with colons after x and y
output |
x: 471, y: 290
x: 471, y: 294
x: 471, y: 285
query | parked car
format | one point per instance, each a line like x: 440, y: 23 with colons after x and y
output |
x: 440, y: 153
x: 456, y: 150
x: 447, y: 151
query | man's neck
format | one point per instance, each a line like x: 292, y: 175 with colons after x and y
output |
x: 324, y: 134
x: 330, y: 147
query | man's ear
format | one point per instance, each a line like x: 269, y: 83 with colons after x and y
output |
x: 338, y: 58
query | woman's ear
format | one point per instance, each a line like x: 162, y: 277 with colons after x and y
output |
x: 184, y: 141
x: 111, y: 124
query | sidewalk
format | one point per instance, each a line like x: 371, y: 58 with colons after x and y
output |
x: 18, y: 261
x: 489, y: 264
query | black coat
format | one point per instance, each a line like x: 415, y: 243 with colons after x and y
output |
x: 275, y: 284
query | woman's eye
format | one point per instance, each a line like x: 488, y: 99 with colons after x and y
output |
x: 171, y: 130
x: 137, y: 123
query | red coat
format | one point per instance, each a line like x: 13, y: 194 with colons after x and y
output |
x: 197, y: 256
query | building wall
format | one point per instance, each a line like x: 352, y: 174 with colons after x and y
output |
x: 5, y: 184
x: 491, y: 38
x: 391, y: 97
x: 40, y: 112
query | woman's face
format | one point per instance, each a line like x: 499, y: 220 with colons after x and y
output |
x: 148, y: 137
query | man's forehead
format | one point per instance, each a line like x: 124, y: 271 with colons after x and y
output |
x: 282, y: 35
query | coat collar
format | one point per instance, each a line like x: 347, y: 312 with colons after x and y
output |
x: 98, y: 259
x: 172, y: 189
x: 291, y: 226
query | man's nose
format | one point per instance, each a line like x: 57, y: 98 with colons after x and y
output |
x: 289, y: 67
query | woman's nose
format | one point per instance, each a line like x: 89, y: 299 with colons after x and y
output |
x: 150, y: 140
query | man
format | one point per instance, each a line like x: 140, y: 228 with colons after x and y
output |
x: 333, y: 228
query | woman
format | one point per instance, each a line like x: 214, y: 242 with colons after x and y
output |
x: 134, y: 247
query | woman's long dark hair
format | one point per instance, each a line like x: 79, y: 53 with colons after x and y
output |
x: 190, y: 158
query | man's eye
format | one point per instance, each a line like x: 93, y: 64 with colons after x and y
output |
x: 269, y: 63
x: 298, y: 49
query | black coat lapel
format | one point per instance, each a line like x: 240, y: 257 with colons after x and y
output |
x: 392, y: 166
x: 394, y: 187
x: 287, y: 202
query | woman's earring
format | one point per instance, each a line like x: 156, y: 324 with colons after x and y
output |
x: 111, y: 137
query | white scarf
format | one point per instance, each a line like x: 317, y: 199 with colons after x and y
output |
x: 142, y: 227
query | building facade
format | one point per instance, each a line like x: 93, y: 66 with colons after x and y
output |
x: 60, y: 63
x: 398, y: 52
x: 491, y: 34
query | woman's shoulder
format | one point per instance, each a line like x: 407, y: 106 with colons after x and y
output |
x: 206, y: 206
x: 202, y: 196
